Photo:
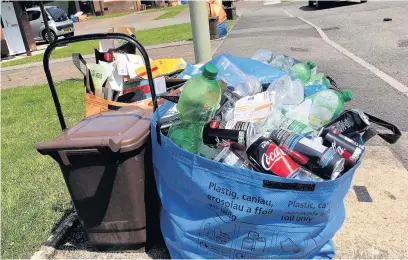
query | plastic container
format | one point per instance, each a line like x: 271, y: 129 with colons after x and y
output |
x: 213, y: 23
x: 102, y: 161
x: 231, y: 12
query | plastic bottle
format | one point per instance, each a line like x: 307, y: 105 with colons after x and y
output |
x: 278, y: 120
x: 311, y: 89
x: 284, y: 63
x: 301, y: 112
x: 331, y: 99
x: 303, y: 71
x: 318, y: 78
x: 264, y: 56
x: 327, y: 104
x: 243, y: 84
x: 197, y: 104
x: 289, y: 94
x: 248, y: 87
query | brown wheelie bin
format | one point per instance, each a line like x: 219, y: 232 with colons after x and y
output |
x: 102, y: 161
x: 106, y: 163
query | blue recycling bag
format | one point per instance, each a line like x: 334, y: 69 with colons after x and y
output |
x: 263, y: 72
x: 212, y: 210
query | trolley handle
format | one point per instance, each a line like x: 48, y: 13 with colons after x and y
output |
x: 86, y: 37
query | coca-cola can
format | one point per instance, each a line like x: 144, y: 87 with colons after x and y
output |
x: 346, y: 147
x: 266, y: 156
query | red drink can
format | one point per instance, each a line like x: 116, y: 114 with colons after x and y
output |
x: 266, y: 156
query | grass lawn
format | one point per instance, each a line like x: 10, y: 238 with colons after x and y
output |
x: 34, y: 195
x: 172, y: 11
x: 166, y: 34
x: 107, y: 16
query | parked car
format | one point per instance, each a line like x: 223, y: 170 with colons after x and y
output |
x: 324, y: 3
x: 58, y: 21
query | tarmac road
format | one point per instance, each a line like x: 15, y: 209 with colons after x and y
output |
x: 360, y: 29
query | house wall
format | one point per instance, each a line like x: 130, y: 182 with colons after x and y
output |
x: 117, y: 6
x: 29, y: 34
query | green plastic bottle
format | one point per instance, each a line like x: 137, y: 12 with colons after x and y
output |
x: 319, y: 78
x: 303, y: 71
x: 331, y: 99
x: 198, y: 102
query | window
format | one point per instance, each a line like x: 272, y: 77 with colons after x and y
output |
x: 57, y: 14
x: 33, y: 15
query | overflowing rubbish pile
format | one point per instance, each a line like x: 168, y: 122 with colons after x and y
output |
x: 258, y: 157
x: 118, y: 76
x: 276, y: 115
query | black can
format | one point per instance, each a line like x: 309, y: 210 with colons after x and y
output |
x: 346, y: 147
x: 236, y: 133
x: 349, y: 122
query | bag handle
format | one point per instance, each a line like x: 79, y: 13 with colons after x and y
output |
x: 389, y: 138
x: 87, y: 37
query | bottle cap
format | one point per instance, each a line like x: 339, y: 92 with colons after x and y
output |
x: 311, y: 64
x: 210, y: 71
x: 347, y: 95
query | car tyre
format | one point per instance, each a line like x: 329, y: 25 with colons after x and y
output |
x: 53, y: 36
x: 324, y: 4
x: 311, y: 3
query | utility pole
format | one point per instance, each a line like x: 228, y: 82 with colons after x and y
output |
x: 45, y: 19
x: 200, y: 29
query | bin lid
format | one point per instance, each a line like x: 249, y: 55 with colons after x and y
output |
x: 120, y: 131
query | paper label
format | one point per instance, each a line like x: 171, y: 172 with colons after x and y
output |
x: 253, y: 108
x: 310, y: 143
x: 99, y: 73
x: 160, y: 85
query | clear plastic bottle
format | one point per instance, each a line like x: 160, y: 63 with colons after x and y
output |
x: 278, y: 120
x: 262, y: 55
x: 243, y: 84
x: 301, y: 112
x: 303, y: 174
x: 197, y: 104
x: 289, y: 94
x: 282, y: 62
